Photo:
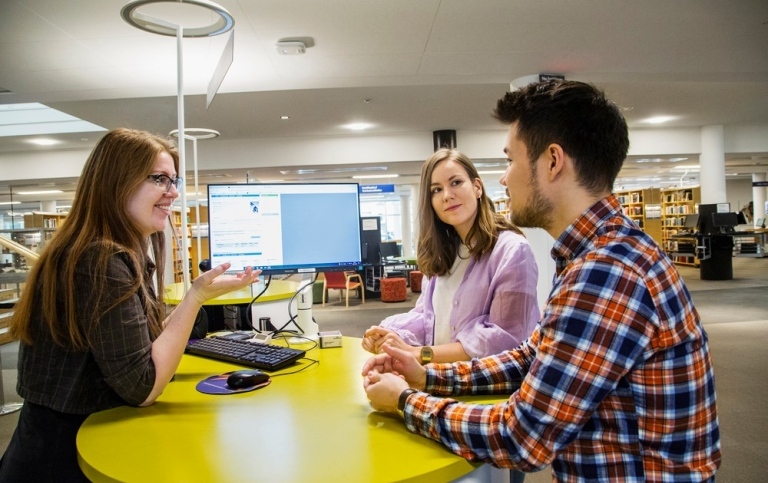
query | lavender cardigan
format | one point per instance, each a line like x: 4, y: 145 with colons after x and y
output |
x: 494, y: 309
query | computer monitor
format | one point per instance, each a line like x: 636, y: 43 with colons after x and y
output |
x: 691, y: 222
x: 285, y: 228
x: 389, y: 250
x: 706, y: 227
x: 742, y: 218
x: 724, y: 221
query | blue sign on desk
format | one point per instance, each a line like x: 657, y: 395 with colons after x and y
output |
x: 377, y: 188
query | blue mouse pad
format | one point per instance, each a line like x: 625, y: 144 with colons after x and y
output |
x: 218, y: 385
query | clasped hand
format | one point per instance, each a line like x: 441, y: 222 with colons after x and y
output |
x: 388, y: 374
x: 377, y: 336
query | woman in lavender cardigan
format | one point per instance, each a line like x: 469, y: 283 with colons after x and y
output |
x: 479, y: 293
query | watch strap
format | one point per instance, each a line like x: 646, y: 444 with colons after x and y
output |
x: 402, y: 399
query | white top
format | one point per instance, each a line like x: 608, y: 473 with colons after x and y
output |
x: 445, y: 289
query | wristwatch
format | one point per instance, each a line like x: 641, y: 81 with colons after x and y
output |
x: 401, y: 401
x: 426, y: 355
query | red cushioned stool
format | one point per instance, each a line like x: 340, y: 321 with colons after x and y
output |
x: 416, y: 281
x: 393, y: 289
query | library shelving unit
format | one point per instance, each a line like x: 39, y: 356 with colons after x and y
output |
x: 49, y: 222
x: 635, y: 203
x: 675, y: 204
x: 204, y: 252
x: 501, y: 206
x: 176, y: 243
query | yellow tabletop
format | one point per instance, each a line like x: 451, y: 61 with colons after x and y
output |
x: 278, y: 290
x: 313, y: 426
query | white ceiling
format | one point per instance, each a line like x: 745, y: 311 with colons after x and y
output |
x: 422, y: 65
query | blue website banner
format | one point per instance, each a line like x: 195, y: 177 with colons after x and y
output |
x: 377, y: 188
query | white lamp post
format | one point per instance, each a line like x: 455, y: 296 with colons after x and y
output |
x: 224, y: 23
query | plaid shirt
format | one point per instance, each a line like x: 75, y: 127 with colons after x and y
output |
x: 617, y: 381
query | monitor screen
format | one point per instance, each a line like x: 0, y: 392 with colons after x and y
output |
x: 285, y: 228
x: 724, y: 219
x: 691, y: 221
x: 389, y: 249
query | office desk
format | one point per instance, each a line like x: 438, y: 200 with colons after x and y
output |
x: 315, y: 426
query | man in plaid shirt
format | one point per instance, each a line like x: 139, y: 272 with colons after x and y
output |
x: 616, y: 383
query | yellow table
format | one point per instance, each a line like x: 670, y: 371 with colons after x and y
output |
x: 278, y: 290
x: 314, y: 426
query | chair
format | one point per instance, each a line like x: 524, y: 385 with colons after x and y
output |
x: 342, y: 281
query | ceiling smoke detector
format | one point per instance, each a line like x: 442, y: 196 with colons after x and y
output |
x: 291, y: 48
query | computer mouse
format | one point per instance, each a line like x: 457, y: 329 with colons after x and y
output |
x: 246, y: 378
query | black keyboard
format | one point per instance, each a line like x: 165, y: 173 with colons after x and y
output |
x: 261, y: 356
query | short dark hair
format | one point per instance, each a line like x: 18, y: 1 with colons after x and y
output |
x: 578, y: 117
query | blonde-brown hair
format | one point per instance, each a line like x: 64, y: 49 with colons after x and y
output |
x: 98, y: 225
x: 439, y: 242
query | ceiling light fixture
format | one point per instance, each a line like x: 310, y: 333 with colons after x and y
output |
x: 43, y: 141
x: 358, y: 126
x: 223, y: 24
x: 371, y: 176
x: 659, y: 119
x: 332, y: 170
x: 291, y: 47
x: 45, y: 192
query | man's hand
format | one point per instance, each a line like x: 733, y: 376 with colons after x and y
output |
x: 397, y: 362
x: 384, y: 390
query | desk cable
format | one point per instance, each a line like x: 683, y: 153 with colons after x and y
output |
x: 249, y: 313
x: 284, y: 335
x: 291, y: 317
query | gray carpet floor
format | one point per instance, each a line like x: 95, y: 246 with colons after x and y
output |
x: 735, y: 315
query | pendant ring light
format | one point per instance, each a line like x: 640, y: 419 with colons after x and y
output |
x: 223, y: 24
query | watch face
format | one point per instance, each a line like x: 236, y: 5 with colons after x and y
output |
x: 426, y: 354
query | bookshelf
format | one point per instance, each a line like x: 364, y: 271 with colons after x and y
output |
x: 40, y: 219
x: 204, y: 252
x: 638, y: 205
x: 501, y: 206
x: 675, y: 204
x: 176, y: 244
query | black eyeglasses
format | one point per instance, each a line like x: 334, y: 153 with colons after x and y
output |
x: 165, y: 182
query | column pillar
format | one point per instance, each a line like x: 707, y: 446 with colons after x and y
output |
x: 405, y: 222
x: 414, y: 218
x: 48, y: 206
x: 712, y: 165
x: 758, y: 198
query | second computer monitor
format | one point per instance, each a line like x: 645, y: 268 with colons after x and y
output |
x: 389, y: 250
x: 691, y: 222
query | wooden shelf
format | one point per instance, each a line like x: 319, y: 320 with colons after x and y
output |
x: 676, y: 203
x: 635, y: 203
x: 178, y: 259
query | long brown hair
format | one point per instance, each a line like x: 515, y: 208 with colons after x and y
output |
x: 98, y: 225
x: 439, y: 242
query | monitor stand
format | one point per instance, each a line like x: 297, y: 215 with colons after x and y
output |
x: 304, y: 314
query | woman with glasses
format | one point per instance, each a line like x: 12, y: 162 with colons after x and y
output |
x: 91, y: 322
